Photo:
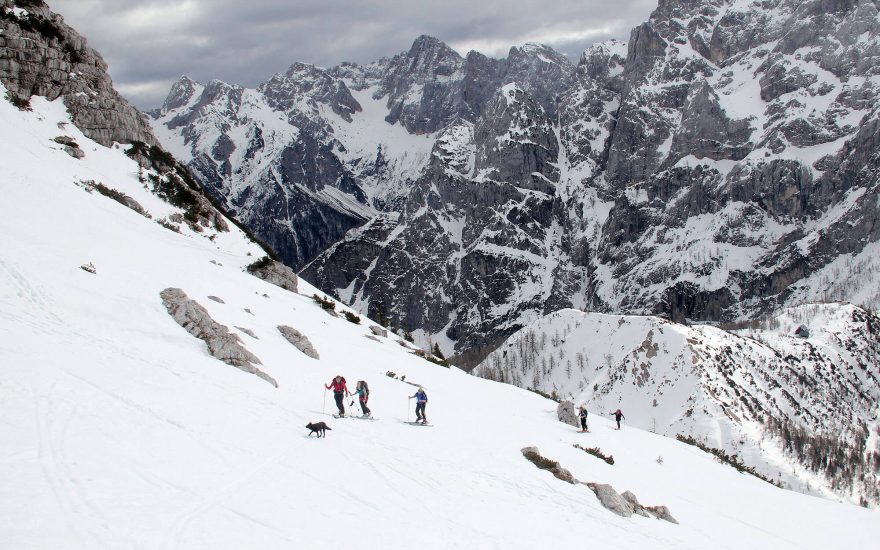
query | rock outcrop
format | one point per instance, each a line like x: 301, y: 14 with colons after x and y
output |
x: 611, y: 499
x: 222, y: 344
x: 41, y: 55
x: 565, y: 413
x: 275, y: 273
x: 534, y: 456
x: 299, y: 340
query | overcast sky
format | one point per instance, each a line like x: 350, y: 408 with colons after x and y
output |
x: 149, y: 43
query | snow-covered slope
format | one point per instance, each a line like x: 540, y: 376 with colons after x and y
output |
x: 120, y: 431
x: 782, y: 401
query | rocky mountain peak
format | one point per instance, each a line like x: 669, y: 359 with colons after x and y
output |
x: 432, y: 55
x: 315, y: 85
x: 182, y: 92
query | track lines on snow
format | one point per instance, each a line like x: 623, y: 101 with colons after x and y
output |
x: 81, y: 515
x: 172, y: 534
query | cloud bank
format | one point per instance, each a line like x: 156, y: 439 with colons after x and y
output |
x: 149, y: 43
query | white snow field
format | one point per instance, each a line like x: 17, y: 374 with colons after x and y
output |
x: 118, y: 430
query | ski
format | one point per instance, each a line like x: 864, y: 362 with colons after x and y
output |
x: 355, y: 417
x: 417, y: 424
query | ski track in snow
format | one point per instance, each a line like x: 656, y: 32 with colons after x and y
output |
x: 174, y: 533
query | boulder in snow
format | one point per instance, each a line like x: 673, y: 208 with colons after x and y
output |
x: 534, y: 456
x: 222, y: 344
x: 379, y: 331
x: 565, y: 413
x: 611, y: 499
x: 802, y: 332
x: 633, y: 501
x: 661, y: 512
x: 274, y: 272
x: 299, y: 340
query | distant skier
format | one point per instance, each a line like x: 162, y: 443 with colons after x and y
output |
x: 617, y: 416
x: 583, y: 416
x: 363, y: 392
x: 340, y: 390
x: 421, y: 401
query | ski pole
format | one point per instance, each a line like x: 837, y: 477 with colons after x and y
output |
x: 324, y: 405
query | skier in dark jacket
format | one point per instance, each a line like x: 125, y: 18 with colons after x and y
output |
x: 340, y: 390
x: 617, y: 416
x: 363, y: 392
x: 421, y: 402
x: 583, y: 417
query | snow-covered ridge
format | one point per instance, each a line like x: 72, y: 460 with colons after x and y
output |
x: 812, y: 367
x: 120, y: 431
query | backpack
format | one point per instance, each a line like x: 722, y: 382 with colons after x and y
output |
x: 366, y: 388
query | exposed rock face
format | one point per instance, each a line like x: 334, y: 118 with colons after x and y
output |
x: 611, y: 499
x: 222, y: 344
x: 276, y: 273
x: 41, y: 55
x: 299, y: 340
x: 565, y: 413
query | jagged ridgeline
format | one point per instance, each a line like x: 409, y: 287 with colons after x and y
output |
x: 793, y: 396
x: 719, y: 165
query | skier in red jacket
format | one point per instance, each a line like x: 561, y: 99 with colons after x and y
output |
x: 340, y: 390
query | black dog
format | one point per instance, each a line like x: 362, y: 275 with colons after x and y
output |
x: 318, y: 428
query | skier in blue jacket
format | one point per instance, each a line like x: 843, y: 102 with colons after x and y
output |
x: 421, y: 401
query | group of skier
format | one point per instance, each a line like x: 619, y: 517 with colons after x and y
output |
x: 582, y: 415
x: 340, y: 392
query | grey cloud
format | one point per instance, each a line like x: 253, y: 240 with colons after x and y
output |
x: 149, y: 43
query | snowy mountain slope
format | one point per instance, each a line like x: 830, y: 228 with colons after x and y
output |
x: 732, y: 390
x: 119, y: 430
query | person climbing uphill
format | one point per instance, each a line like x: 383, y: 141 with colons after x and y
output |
x: 363, y: 392
x: 421, y: 401
x: 339, y: 392
x: 583, y: 417
x: 617, y: 416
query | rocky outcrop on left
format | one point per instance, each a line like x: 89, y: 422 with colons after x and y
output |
x: 221, y: 343
x: 41, y: 55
